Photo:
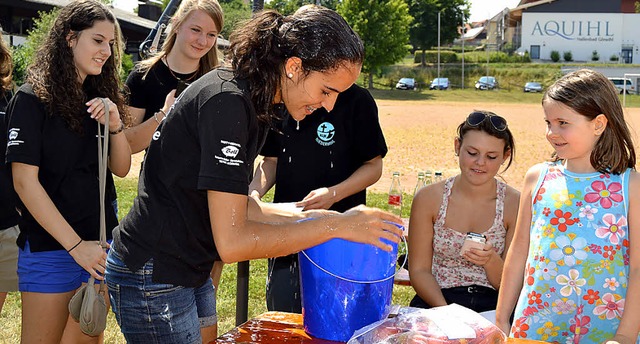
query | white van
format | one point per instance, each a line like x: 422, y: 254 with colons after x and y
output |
x: 623, y: 85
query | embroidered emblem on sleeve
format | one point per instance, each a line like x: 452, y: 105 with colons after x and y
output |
x: 228, y: 154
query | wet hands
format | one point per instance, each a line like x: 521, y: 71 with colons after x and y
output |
x: 369, y: 226
x: 322, y: 198
x: 96, y: 107
x: 480, y: 257
x: 92, y: 257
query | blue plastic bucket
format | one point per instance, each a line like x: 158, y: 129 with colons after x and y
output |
x: 345, y: 286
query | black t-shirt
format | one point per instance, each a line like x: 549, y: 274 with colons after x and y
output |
x: 150, y: 93
x: 208, y: 142
x: 8, y: 214
x: 327, y: 148
x: 68, y: 169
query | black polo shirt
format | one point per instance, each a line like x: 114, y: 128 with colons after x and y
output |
x: 208, y: 142
x: 8, y: 214
x: 326, y: 148
x: 68, y: 169
x: 149, y: 92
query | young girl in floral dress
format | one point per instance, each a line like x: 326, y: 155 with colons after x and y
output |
x: 572, y: 260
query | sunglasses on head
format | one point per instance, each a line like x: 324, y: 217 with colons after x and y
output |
x: 476, y: 118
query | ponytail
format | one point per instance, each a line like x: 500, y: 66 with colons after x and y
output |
x: 257, y: 57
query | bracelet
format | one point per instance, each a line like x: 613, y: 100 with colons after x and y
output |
x: 117, y: 131
x: 74, y: 246
x: 155, y: 116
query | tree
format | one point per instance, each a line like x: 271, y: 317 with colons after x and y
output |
x: 424, y: 31
x: 383, y: 26
x: 24, y: 54
x: 235, y: 12
x: 637, y: 6
x: 287, y: 7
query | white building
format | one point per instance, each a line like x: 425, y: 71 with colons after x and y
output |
x: 607, y: 34
x: 608, y: 27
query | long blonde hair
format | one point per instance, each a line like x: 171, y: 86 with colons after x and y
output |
x: 207, y: 62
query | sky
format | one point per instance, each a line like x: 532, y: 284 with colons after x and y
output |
x: 480, y: 9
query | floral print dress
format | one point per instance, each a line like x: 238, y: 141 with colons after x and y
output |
x: 576, y: 270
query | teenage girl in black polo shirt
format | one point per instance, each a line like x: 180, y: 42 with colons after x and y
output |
x: 192, y: 207
x: 8, y: 214
x: 52, y: 149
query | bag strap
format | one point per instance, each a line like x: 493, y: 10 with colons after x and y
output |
x: 103, y: 155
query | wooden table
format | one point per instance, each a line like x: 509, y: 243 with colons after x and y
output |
x: 271, y: 328
x: 280, y: 327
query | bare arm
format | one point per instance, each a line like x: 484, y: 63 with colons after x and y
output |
x: 265, y: 177
x: 360, y: 179
x: 237, y: 238
x: 514, y: 267
x: 630, y: 323
x: 423, y: 212
x: 87, y: 254
x: 140, y: 133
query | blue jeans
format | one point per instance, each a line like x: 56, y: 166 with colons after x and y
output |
x: 149, y: 312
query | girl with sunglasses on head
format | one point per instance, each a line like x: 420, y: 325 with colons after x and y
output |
x: 474, y: 201
x: 573, y: 273
x: 53, y: 154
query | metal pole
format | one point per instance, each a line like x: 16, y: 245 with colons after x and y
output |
x: 438, y: 49
x: 463, y: 32
x: 242, y: 290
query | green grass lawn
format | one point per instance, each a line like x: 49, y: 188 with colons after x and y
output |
x: 226, y: 298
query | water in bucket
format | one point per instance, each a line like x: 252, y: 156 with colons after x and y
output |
x: 345, y: 286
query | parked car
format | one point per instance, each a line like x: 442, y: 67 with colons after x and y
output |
x: 623, y: 85
x: 439, y: 84
x: 486, y: 83
x: 533, y: 87
x: 406, y: 84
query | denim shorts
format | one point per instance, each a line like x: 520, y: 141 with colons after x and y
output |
x: 150, y: 312
x: 49, y: 271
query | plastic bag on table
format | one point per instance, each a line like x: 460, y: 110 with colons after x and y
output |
x: 452, y: 324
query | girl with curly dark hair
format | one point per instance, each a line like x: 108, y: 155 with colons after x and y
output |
x: 192, y: 207
x: 52, y: 149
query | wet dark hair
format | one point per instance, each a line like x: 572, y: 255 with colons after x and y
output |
x: 320, y: 37
x: 53, y: 73
x: 590, y: 94
x: 487, y: 127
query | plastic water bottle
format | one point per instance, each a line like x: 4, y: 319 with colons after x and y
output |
x: 427, y: 177
x: 395, y: 195
x: 438, y: 176
x: 420, y: 183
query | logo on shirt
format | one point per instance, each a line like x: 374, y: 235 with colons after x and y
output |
x: 229, y: 151
x: 13, y: 137
x: 326, y: 132
x: 156, y: 135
